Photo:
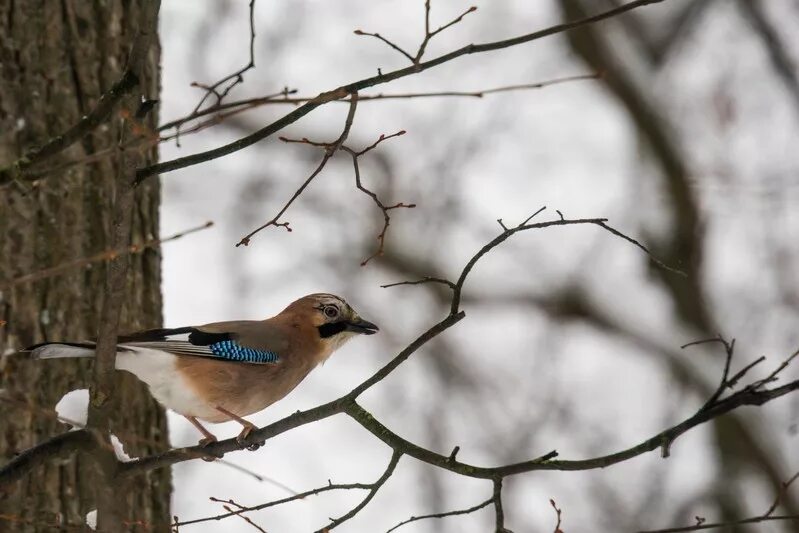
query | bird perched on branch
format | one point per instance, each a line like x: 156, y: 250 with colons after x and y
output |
x: 228, y: 370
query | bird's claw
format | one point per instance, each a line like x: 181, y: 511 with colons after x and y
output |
x: 241, y: 438
x: 207, y: 441
x: 255, y: 445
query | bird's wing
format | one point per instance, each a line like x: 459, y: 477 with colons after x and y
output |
x: 244, y: 341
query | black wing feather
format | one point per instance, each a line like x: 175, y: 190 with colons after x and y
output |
x: 196, y: 336
x: 152, y: 335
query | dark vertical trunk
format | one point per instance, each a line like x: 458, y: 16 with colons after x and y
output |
x: 56, y: 59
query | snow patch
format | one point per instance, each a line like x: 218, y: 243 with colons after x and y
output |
x: 73, y: 408
x: 91, y: 519
x: 119, y: 450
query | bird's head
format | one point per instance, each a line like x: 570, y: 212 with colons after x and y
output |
x: 333, y: 318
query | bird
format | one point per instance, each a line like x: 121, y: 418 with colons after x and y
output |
x: 228, y: 370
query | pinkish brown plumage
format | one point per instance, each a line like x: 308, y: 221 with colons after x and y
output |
x: 228, y: 370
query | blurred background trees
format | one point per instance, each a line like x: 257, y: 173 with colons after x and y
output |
x: 571, y: 339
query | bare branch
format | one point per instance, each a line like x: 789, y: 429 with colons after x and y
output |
x: 235, y: 78
x: 747, y: 396
x: 300, y: 496
x: 241, y: 106
x: 358, y: 183
x: 371, y: 487
x: 729, y: 349
x: 498, y: 511
x: 754, y: 394
x: 430, y: 34
x: 60, y: 446
x: 89, y: 122
x: 719, y: 525
x: 259, y: 477
x: 389, y: 43
x: 240, y: 515
x: 99, y: 257
x: 508, y: 232
x: 774, y: 375
x: 558, y: 513
x: 392, y: 464
x: 345, y: 90
x: 282, y: 98
x: 781, y: 494
x: 330, y: 150
x: 470, y: 510
x: 216, y: 108
x: 381, y: 237
x: 428, y: 279
x: 646, y: 250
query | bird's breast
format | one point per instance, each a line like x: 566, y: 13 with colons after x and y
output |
x: 159, y: 370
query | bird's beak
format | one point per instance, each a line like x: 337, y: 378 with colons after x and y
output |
x: 362, y: 326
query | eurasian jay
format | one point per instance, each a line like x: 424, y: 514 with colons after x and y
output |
x: 228, y: 370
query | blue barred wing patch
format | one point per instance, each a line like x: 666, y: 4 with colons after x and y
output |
x: 233, y: 351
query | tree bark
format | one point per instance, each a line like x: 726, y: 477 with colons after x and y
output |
x: 56, y: 59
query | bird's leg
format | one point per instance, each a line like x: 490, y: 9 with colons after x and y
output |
x: 248, y: 427
x: 208, y: 437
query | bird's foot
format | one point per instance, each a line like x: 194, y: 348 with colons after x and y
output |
x: 241, y: 438
x: 207, y: 441
x: 247, y: 428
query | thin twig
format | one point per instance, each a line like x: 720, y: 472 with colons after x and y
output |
x: 781, y: 494
x: 444, y: 515
x: 737, y: 377
x: 726, y: 525
x: 234, y: 78
x: 282, y: 98
x: 729, y: 350
x: 99, y: 257
x: 242, y: 516
x: 331, y: 149
x: 88, y: 123
x: 381, y: 237
x: 348, y: 404
x: 345, y: 90
x: 774, y: 375
x: 241, y: 106
x: 216, y: 108
x: 392, y: 464
x: 389, y: 43
x: 499, y: 513
x: 274, y: 503
x: 646, y: 250
x: 259, y: 477
x: 428, y: 35
x: 427, y: 279
x: 558, y: 516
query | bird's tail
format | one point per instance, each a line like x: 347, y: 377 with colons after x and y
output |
x: 58, y: 350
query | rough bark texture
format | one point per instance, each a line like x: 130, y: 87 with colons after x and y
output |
x: 56, y: 59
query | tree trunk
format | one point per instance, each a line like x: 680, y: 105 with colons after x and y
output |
x: 56, y: 59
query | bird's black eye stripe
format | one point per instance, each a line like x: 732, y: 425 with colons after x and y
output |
x: 328, y: 330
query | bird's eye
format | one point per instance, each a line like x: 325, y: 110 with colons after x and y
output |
x: 331, y: 312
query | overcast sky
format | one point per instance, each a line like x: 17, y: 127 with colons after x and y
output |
x: 512, y: 381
